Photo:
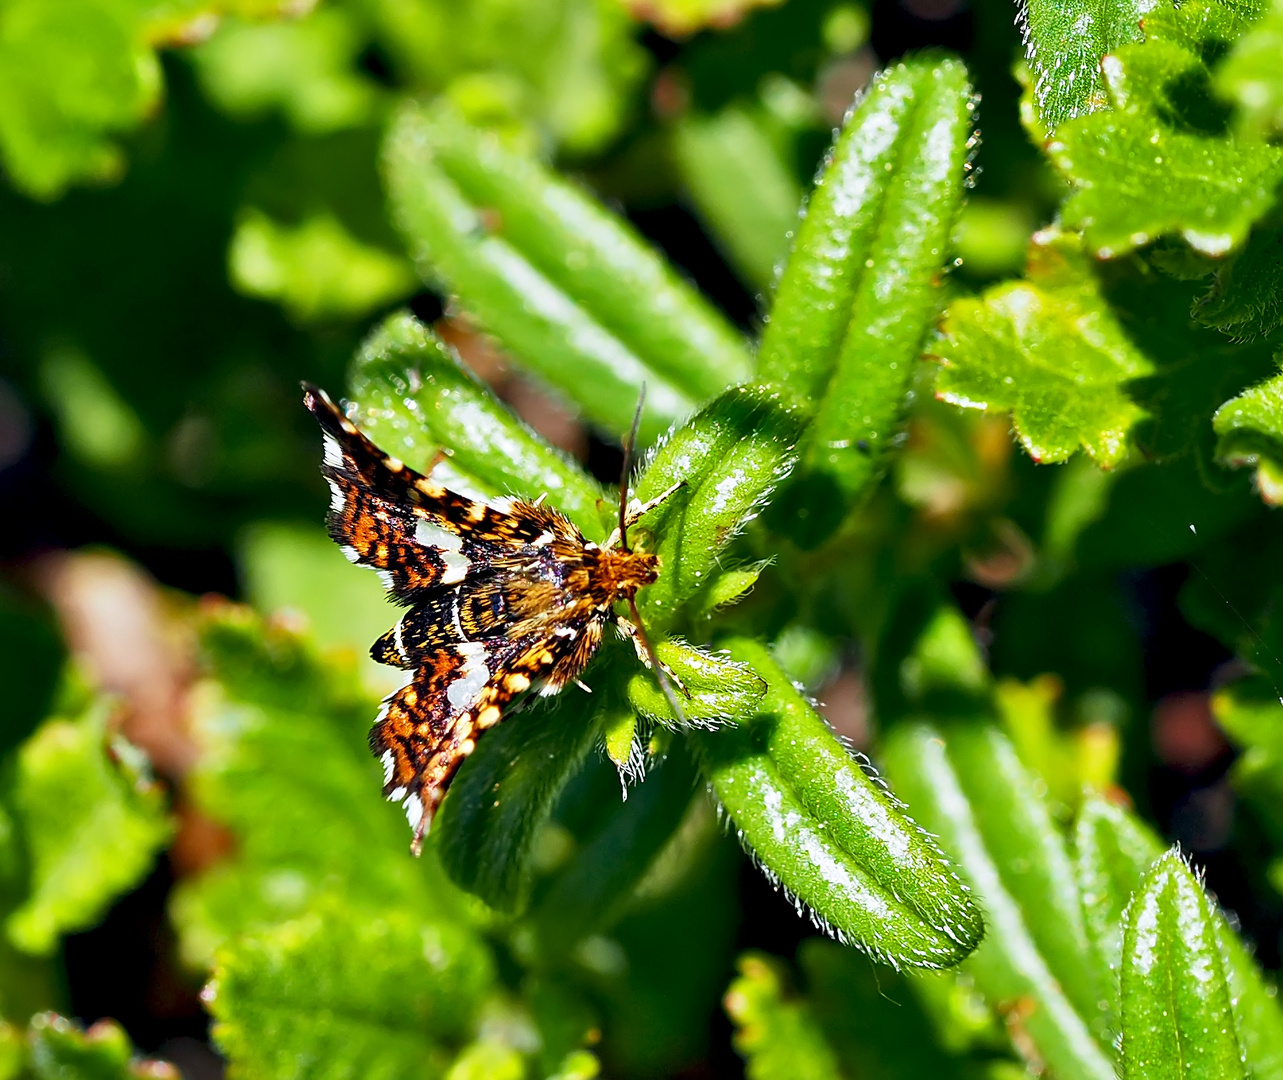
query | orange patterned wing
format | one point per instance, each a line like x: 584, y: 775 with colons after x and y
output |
x: 428, y: 727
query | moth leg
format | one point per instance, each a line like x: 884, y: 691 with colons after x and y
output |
x: 636, y: 510
x: 629, y: 630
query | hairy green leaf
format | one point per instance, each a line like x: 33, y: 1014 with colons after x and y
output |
x: 1176, y: 1014
x: 1246, y: 297
x: 93, y: 821
x: 716, y: 689
x: 1018, y: 873
x: 742, y: 188
x: 564, y: 286
x: 776, y: 1034
x: 1249, y: 431
x: 1113, y: 850
x: 1064, y: 46
x: 1159, y: 162
x: 505, y: 792
x: 832, y: 835
x: 728, y: 459
x: 343, y: 991
x: 416, y: 399
x: 861, y: 285
x: 1049, y: 350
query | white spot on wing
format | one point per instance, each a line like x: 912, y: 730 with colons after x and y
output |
x: 350, y: 553
x: 336, y: 498
x: 446, y: 544
x: 400, y: 643
x: 414, y: 811
x: 542, y: 540
x: 333, y: 452
x: 388, y: 764
x: 396, y: 794
x: 467, y: 685
x: 385, y: 576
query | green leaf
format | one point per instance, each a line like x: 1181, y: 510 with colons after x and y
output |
x: 306, y: 68
x: 728, y: 458
x: 590, y: 893
x: 741, y: 187
x: 1250, y: 75
x: 717, y: 689
x: 565, y: 286
x: 1064, y: 46
x: 504, y: 794
x: 416, y: 399
x: 1049, y: 350
x: 1249, y: 431
x: 343, y: 991
x: 861, y: 286
x: 1022, y: 878
x: 1113, y: 850
x: 832, y: 835
x: 316, y: 270
x: 59, y: 1049
x: 778, y: 1036
x: 1176, y: 1015
x: 1159, y: 162
x: 1246, y: 297
x: 274, y: 721
x: 93, y: 822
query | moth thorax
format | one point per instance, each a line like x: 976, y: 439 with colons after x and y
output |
x: 622, y: 573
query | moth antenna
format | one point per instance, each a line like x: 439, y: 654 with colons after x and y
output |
x: 655, y: 663
x: 624, y: 473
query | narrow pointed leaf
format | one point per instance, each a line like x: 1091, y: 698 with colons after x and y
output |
x: 716, y: 689
x: 1008, y: 967
x: 861, y: 286
x: 832, y: 835
x: 564, y: 286
x: 416, y: 399
x: 777, y: 1035
x: 729, y: 459
x: 1114, y: 848
x: 1176, y: 1015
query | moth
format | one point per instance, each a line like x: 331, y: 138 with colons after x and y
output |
x: 504, y: 597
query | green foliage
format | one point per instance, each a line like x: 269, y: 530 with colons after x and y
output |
x: 295, y: 175
x: 90, y: 820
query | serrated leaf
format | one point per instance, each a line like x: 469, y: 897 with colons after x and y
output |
x: 1158, y: 162
x: 565, y: 286
x: 282, y: 736
x: 343, y: 992
x: 416, y: 399
x: 1020, y: 871
x: 1250, y: 76
x: 861, y: 285
x: 729, y: 458
x: 717, y: 690
x: 1176, y: 1015
x: 1049, y: 350
x: 831, y: 835
x: 93, y: 823
x: 779, y: 1038
x: 1064, y: 45
x: 60, y: 1049
x: 1249, y: 431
